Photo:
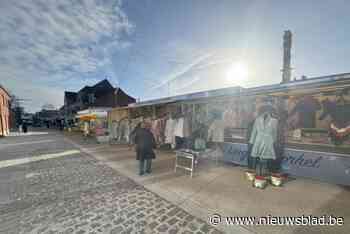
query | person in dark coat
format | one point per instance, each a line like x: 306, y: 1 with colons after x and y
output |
x: 25, y: 127
x: 145, y: 143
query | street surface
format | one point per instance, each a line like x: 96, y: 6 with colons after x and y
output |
x: 47, y: 185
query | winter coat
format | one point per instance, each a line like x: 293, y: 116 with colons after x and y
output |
x: 145, y: 143
x: 263, y: 137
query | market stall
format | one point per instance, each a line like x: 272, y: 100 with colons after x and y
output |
x: 314, y: 121
x: 95, y: 120
x: 306, y: 124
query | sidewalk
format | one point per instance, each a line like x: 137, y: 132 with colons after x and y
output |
x: 222, y: 189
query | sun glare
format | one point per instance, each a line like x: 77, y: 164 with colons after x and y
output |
x: 237, y: 73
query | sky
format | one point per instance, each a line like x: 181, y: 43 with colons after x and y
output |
x: 153, y: 49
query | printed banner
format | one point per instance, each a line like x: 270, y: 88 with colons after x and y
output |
x: 328, y: 167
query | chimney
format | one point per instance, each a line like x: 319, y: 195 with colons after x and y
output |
x: 287, y: 46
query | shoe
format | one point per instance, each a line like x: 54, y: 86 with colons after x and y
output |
x: 141, y: 174
x: 148, y: 172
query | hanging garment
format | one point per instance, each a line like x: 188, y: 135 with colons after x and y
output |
x: 306, y: 109
x: 186, y: 127
x: 263, y: 137
x: 231, y: 118
x: 157, y: 131
x: 161, y: 126
x: 114, y: 130
x: 169, y: 131
x: 199, y: 144
x: 179, y: 128
x: 154, y: 128
x: 123, y: 131
x: 216, y: 131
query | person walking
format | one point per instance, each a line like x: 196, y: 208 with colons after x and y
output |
x: 145, y: 143
x: 25, y: 127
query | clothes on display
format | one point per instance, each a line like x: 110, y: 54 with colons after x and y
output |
x: 169, y: 131
x: 158, y: 126
x: 264, y: 136
x: 113, y: 130
x: 251, y: 161
x: 120, y: 130
x: 199, y: 144
x: 180, y: 142
x: 339, y: 135
x: 231, y: 118
x: 216, y: 131
x: 123, y: 131
x: 306, y: 109
x: 182, y: 128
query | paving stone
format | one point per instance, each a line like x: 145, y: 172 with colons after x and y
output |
x: 139, y: 216
x: 81, y: 224
x: 173, y: 211
x: 80, y: 232
x: 189, y: 218
x: 97, y: 218
x: 173, y: 221
x: 213, y: 231
x: 95, y: 225
x: 163, y: 228
x: 127, y: 231
x: 68, y: 231
x: 116, y: 230
x: 186, y: 232
x: 118, y: 221
x: 163, y: 218
x: 173, y: 231
x: 153, y: 224
x: 80, y: 195
x: 106, y: 226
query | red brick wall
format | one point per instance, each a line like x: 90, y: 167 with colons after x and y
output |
x: 4, y: 113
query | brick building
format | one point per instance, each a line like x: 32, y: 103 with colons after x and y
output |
x: 102, y: 94
x: 4, y: 112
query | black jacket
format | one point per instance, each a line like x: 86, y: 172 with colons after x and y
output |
x: 145, y: 143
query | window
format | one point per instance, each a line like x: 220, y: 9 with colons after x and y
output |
x: 91, y: 98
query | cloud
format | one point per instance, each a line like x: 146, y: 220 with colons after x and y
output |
x: 180, y: 72
x: 50, y: 44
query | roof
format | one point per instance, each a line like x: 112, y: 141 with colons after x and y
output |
x: 119, y: 91
x: 100, y: 86
x: 70, y: 94
x: 85, y: 88
x: 316, y: 84
x: 192, y: 96
x: 5, y: 90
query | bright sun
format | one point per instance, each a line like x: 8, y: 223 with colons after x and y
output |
x: 237, y: 73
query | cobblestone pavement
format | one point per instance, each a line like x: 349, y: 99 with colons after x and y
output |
x: 78, y: 194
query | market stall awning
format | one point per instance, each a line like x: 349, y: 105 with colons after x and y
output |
x: 191, y: 96
x: 87, y: 117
